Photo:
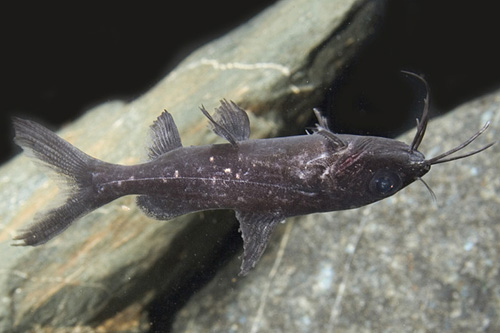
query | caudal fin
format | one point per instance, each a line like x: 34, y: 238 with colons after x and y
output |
x: 66, y: 160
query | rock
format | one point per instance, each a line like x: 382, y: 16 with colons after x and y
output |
x: 113, y: 263
x: 405, y: 264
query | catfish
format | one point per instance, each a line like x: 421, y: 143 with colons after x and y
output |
x: 264, y: 181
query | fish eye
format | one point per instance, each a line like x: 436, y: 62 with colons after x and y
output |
x: 385, y: 183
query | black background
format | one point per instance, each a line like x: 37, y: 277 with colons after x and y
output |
x: 59, y: 62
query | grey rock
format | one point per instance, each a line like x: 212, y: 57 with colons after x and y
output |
x: 405, y: 264
x: 104, y: 270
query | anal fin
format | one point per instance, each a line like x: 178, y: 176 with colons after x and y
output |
x: 164, y: 136
x: 256, y: 230
x: 229, y: 122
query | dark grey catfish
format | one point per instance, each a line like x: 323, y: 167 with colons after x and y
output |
x: 264, y: 181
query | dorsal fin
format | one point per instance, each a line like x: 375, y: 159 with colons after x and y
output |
x: 229, y: 122
x: 322, y: 119
x: 323, y: 129
x: 256, y: 230
x: 338, y: 143
x: 164, y: 136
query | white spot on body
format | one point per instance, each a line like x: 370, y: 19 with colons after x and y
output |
x: 301, y: 175
x: 320, y: 157
x: 176, y: 174
x: 325, y: 173
x: 237, y: 176
x: 227, y: 170
x: 211, y: 159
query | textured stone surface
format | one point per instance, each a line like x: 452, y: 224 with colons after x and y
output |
x: 112, y: 263
x: 405, y: 264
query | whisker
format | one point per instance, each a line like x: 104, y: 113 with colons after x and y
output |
x: 422, y: 124
x: 440, y: 158
x: 433, y: 195
x: 460, y: 156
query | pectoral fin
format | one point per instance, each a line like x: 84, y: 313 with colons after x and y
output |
x: 230, y: 122
x: 256, y: 230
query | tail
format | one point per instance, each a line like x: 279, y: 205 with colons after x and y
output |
x: 65, y: 160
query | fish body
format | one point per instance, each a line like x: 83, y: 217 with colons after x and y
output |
x: 264, y: 181
x: 286, y: 176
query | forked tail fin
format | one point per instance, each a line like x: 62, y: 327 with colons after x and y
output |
x: 66, y: 160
